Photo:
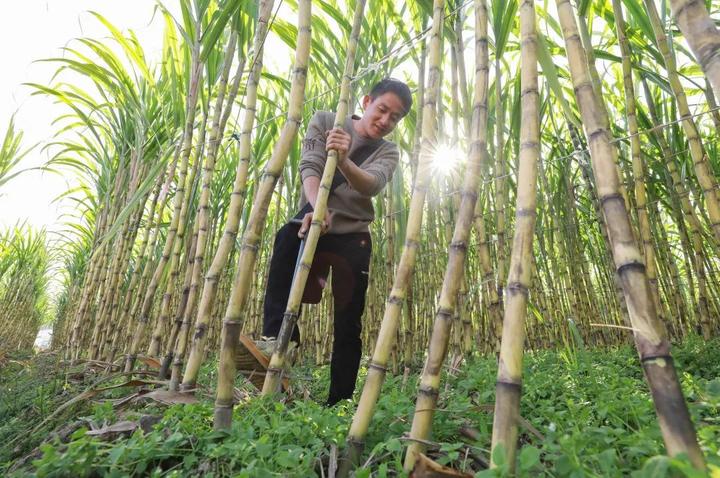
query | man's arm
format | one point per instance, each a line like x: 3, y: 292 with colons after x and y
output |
x: 311, y: 185
x: 361, y: 181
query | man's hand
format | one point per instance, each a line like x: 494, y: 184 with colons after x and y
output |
x: 338, y: 140
x: 307, y: 220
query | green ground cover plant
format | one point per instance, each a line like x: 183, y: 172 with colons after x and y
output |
x: 586, y: 413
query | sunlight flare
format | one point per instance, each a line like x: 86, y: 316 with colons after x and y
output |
x: 446, y: 159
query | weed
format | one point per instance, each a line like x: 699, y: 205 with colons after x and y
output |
x: 590, y: 415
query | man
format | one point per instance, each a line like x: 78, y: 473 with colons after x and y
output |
x: 366, y: 163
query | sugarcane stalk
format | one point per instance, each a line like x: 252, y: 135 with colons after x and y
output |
x: 637, y: 162
x: 649, y: 333
x: 509, y: 376
x: 237, y: 199
x: 701, y: 34
x: 406, y: 266
x: 277, y: 361
x: 203, y: 214
x: 428, y: 391
x: 701, y: 165
x: 192, y: 97
x: 250, y: 244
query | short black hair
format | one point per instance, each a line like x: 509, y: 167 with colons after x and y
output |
x: 392, y: 85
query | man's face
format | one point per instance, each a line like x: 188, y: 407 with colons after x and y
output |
x: 381, y: 115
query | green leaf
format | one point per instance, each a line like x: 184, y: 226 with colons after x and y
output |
x: 362, y: 473
x: 498, y: 455
x: 529, y: 457
x: 655, y: 467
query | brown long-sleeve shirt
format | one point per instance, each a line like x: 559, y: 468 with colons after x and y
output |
x: 352, y: 211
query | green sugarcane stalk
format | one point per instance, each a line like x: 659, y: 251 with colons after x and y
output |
x: 277, y: 361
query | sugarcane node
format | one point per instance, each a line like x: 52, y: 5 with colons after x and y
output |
x: 411, y: 243
x: 459, y: 245
x: 377, y: 366
x: 517, y: 287
x: 597, y: 133
x: 355, y: 442
x: 274, y: 370
x: 444, y: 313
x: 395, y: 300
x: 231, y: 322
x: 529, y: 145
x: 250, y: 247
x: 513, y: 387
x: 584, y: 85
x: 708, y: 52
x: 524, y: 212
x: 612, y: 197
x: 428, y: 391
x: 653, y: 358
x: 290, y: 318
x: 632, y: 265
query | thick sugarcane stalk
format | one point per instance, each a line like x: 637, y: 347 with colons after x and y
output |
x: 701, y: 34
x: 237, y: 200
x: 191, y: 103
x: 597, y: 84
x: 253, y: 232
x: 277, y: 361
x: 457, y: 252
x: 701, y: 165
x: 203, y: 218
x: 637, y: 162
x: 406, y: 266
x: 500, y: 191
x: 649, y: 333
x: 509, y: 376
x: 694, y: 229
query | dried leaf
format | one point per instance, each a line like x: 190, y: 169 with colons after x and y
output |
x: 426, y: 468
x: 151, y: 362
x: 170, y: 398
x: 119, y: 428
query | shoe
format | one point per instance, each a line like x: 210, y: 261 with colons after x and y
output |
x: 252, y: 359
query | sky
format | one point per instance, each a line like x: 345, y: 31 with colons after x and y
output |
x: 31, y: 30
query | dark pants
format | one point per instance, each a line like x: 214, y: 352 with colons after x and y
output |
x: 349, y: 257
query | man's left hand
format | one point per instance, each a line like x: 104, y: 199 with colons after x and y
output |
x: 339, y: 140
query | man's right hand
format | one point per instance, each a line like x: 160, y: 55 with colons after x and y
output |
x: 307, y: 220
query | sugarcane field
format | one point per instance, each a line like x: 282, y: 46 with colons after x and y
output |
x: 360, y: 238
